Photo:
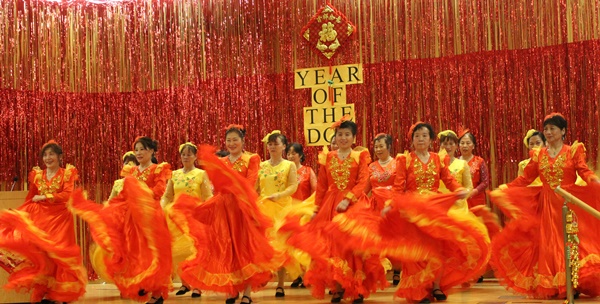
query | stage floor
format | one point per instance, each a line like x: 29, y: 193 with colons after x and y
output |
x: 488, y: 292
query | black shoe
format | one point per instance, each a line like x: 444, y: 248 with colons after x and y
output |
x: 425, y: 300
x: 159, y: 300
x: 246, y: 297
x: 296, y: 283
x: 232, y: 300
x: 141, y: 292
x: 302, y: 285
x: 196, y: 293
x: 359, y: 300
x: 480, y: 280
x: 46, y: 301
x: 396, y: 279
x: 441, y: 296
x: 182, y: 290
x: 337, y: 297
x: 278, y: 293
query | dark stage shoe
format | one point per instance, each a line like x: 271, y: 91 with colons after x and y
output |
x: 440, y: 295
x: 196, y: 293
x: 296, y: 283
x: 337, y: 297
x: 279, y: 292
x: 244, y: 298
x: 232, y: 300
x: 359, y: 300
x: 159, y: 300
x: 182, y: 290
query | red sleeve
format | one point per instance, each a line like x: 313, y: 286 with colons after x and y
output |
x: 484, y: 177
x: 530, y: 173
x: 33, y: 190
x: 362, y: 180
x: 368, y: 187
x: 253, y: 167
x: 162, y: 173
x: 446, y: 175
x: 581, y: 166
x: 70, y: 176
x: 322, y: 183
x: 400, y: 180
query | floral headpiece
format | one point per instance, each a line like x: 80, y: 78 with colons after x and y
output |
x: 266, y: 138
x: 446, y: 133
x: 338, y: 123
x: 234, y: 126
x: 136, y: 140
x: 462, y: 131
x: 412, y: 128
x: 528, y: 136
x: 380, y: 134
x: 187, y: 144
x: 127, y: 154
x: 552, y: 115
x: 50, y: 142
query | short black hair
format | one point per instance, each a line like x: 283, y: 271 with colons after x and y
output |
x: 273, y: 138
x: 56, y: 148
x: 556, y: 120
x: 423, y: 125
x: 537, y: 133
x: 471, y: 136
x: 240, y: 131
x: 386, y: 138
x: 348, y: 124
x: 147, y: 143
x: 298, y: 149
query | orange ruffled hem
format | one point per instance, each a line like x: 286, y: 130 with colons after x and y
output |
x: 420, y: 233
x: 515, y: 250
x: 232, y: 250
x: 37, y: 263
x: 133, y: 231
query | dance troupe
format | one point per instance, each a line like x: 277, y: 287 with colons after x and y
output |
x: 234, y: 224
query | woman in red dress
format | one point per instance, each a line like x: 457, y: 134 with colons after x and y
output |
x: 343, y: 176
x: 228, y: 230
x: 307, y: 179
x: 528, y: 254
x: 37, y: 241
x: 479, y: 170
x: 132, y: 230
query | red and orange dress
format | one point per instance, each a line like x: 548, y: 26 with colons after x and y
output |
x: 131, y: 233
x: 228, y: 229
x: 37, y: 241
x: 306, y: 175
x: 528, y: 254
x: 357, y: 274
x: 423, y: 221
x: 481, y: 180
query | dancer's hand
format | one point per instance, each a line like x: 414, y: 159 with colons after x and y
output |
x: 474, y: 192
x: 462, y: 193
x: 343, y: 205
x: 274, y: 196
x: 38, y: 198
x: 386, y: 210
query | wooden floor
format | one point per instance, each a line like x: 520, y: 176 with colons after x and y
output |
x: 488, y: 292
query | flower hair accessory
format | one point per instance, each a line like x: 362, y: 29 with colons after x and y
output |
x: 528, y: 136
x: 338, y: 123
x: 234, y: 126
x: 187, y: 144
x: 266, y: 138
x: 50, y: 142
x: 127, y: 154
x: 412, y: 128
x: 462, y: 131
x: 552, y: 115
x: 446, y: 133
